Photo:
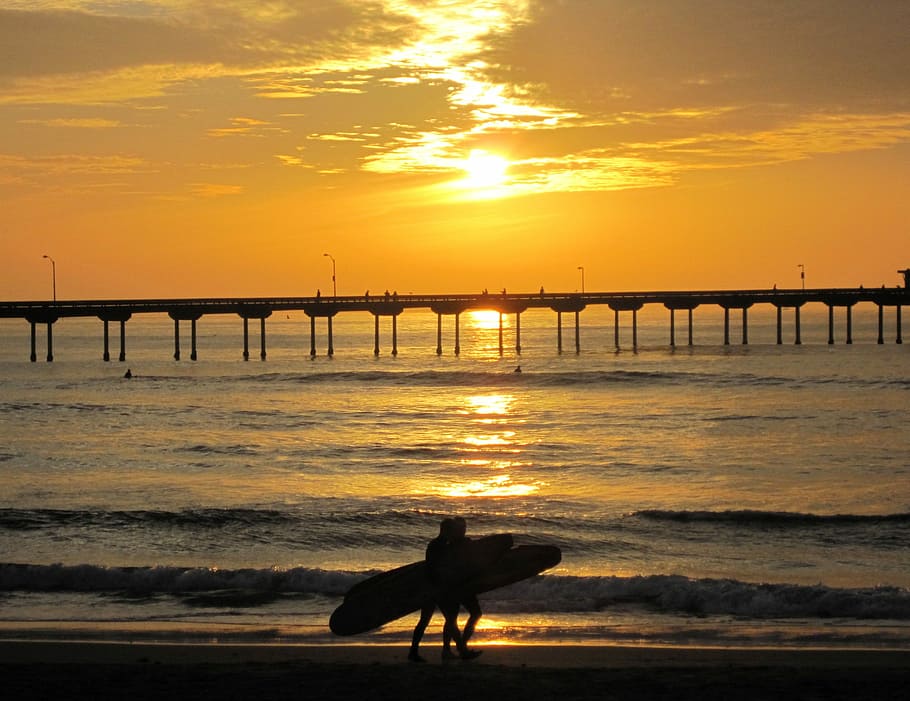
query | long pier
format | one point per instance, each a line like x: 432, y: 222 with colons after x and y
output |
x: 393, y: 305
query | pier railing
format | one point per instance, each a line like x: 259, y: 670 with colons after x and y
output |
x: 393, y: 304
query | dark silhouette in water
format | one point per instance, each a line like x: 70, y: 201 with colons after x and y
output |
x: 443, y: 548
x: 128, y: 374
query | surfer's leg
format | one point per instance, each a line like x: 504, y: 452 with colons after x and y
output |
x: 474, y: 614
x: 426, y: 613
x: 450, y: 611
x: 450, y: 632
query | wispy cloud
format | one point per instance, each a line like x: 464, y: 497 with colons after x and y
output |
x: 74, y: 122
x: 246, y: 126
x: 577, y: 95
x: 214, y: 189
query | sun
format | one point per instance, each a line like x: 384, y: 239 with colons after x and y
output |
x: 485, y: 169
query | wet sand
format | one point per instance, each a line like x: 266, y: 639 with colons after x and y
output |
x: 76, y: 670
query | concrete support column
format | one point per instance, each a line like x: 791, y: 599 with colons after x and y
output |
x: 830, y: 324
x: 193, y: 355
x: 726, y: 326
x: 122, y: 340
x: 780, y: 325
x: 50, y: 341
x: 690, y: 327
x: 577, y: 333
x: 559, y: 332
x: 312, y: 336
x: 616, y: 328
x: 745, y: 326
x: 457, y: 333
x: 881, y: 324
x: 106, y: 356
x: 376, y: 334
x: 635, y: 329
x: 500, y: 334
x: 394, y: 334
x: 849, y: 325
x: 672, y: 328
x: 331, y: 339
x: 34, y: 355
x: 262, y: 338
x: 518, y: 330
x: 799, y: 339
x: 898, y: 321
x: 438, y: 333
x: 176, y: 339
x: 246, y: 338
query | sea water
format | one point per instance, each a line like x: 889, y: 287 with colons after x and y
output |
x: 709, y: 494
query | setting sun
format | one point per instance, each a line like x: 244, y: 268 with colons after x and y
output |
x: 485, y: 170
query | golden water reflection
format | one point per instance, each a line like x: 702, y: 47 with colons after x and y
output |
x: 489, y: 404
x: 496, y: 486
x: 492, y: 469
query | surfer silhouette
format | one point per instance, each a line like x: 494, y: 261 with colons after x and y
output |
x: 441, y: 553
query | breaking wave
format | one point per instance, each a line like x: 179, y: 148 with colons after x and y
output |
x: 545, y: 593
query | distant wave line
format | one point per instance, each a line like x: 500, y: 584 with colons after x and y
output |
x: 544, y: 593
x: 774, y: 518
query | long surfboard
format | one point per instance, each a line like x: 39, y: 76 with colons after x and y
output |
x: 398, y: 592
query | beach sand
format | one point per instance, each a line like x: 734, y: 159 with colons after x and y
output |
x: 90, y: 670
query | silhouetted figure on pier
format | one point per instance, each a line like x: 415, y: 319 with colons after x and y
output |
x: 318, y: 293
x: 906, y: 274
x: 440, y: 550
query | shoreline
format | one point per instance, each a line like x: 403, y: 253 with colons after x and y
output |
x: 547, y: 656
x: 99, y: 670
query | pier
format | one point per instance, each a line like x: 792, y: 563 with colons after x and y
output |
x: 324, y: 309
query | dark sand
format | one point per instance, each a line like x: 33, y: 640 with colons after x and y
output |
x: 84, y: 670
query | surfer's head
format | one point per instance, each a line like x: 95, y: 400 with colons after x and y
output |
x: 459, y: 527
x: 447, y: 527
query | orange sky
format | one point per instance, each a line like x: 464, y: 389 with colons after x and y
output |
x: 175, y: 148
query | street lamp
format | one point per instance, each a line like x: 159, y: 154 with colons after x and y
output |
x: 53, y: 275
x: 582, y: 269
x: 802, y: 274
x: 334, y: 286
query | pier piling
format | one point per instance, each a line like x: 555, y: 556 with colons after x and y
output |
x: 518, y: 332
x: 559, y: 332
x: 438, y: 333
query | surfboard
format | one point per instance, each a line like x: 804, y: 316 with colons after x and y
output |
x: 390, y: 595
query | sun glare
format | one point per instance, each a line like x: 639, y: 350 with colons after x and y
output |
x: 486, y: 319
x: 485, y: 170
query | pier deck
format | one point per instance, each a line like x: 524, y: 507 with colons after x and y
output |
x: 392, y: 305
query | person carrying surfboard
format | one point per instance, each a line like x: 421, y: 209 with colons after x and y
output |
x: 461, y: 544
x: 442, y: 559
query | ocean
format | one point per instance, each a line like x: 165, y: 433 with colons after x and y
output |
x: 711, y: 495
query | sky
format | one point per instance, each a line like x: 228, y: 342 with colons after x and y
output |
x: 196, y: 148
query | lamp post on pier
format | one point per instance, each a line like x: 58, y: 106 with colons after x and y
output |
x: 334, y: 286
x: 582, y: 269
x: 802, y: 274
x: 53, y: 275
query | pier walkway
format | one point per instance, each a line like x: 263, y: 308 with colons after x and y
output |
x: 392, y: 305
